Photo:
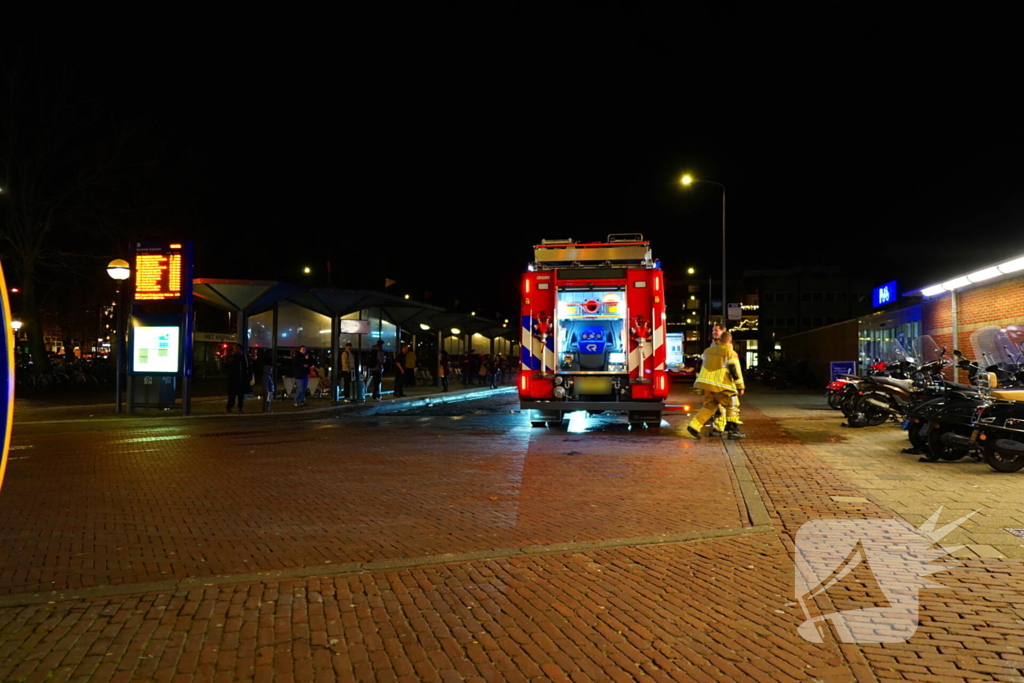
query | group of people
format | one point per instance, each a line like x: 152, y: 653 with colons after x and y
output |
x: 243, y: 371
x: 721, y: 380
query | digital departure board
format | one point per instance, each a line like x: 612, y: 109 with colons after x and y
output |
x: 159, y: 272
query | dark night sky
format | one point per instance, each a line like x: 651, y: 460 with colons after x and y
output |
x: 435, y: 148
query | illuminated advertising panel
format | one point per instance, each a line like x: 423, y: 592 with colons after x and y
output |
x: 355, y: 327
x: 155, y: 349
x: 159, y: 271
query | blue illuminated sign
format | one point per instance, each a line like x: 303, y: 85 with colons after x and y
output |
x: 885, y: 294
x: 838, y: 368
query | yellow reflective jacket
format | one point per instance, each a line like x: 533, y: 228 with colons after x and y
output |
x: 720, y: 370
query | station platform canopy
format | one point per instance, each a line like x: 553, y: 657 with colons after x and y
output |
x: 253, y: 299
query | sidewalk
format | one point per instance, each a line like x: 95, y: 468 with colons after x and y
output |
x: 36, y: 411
x: 698, y: 609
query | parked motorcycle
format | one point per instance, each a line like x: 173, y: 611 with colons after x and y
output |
x: 1000, y: 430
x: 949, y: 427
x: 884, y: 398
x: 940, y: 394
x: 892, y: 359
x: 838, y: 389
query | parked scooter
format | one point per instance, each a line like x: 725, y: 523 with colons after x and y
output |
x: 839, y: 389
x: 894, y: 361
x: 884, y: 398
x: 999, y: 428
x: 941, y: 393
x: 949, y: 428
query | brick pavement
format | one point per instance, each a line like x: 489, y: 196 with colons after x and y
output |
x: 242, y: 496
x: 710, y: 610
x: 870, y: 459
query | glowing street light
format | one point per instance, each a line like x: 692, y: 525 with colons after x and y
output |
x: 307, y: 270
x: 119, y: 270
x: 16, y: 325
x: 690, y: 271
x: 688, y: 180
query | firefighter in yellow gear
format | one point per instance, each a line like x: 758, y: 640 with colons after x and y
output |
x: 721, y: 378
x: 719, y: 421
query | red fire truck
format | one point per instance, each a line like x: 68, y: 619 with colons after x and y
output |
x: 593, y: 331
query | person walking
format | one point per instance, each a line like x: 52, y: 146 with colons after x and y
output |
x: 239, y: 379
x: 348, y: 371
x: 722, y: 380
x: 267, y: 370
x: 375, y: 364
x: 400, y: 371
x: 410, y: 367
x: 719, y: 419
x: 444, y: 369
x: 301, y: 364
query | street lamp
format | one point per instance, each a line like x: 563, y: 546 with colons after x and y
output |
x: 16, y: 325
x: 688, y: 180
x: 690, y: 271
x: 119, y: 270
x: 307, y: 270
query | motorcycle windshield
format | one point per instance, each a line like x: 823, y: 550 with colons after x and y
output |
x: 926, y: 350
x: 890, y: 351
x: 993, y: 348
x: 1016, y: 335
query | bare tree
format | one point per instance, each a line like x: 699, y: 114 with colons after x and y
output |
x: 60, y: 155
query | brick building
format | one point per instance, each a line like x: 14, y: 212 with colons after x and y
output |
x: 951, y: 316
x: 949, y: 312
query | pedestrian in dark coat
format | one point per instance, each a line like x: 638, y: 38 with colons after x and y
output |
x: 444, y: 369
x: 239, y: 379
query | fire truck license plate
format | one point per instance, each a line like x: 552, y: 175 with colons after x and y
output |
x: 593, y: 385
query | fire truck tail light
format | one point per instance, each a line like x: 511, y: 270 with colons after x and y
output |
x: 661, y: 382
x: 657, y: 283
x: 527, y: 285
x: 524, y: 381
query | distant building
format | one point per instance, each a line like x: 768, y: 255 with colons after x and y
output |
x: 799, y: 299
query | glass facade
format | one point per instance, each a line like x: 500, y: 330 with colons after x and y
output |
x: 875, y: 332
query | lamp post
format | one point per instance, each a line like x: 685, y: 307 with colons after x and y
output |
x: 119, y: 270
x: 688, y: 180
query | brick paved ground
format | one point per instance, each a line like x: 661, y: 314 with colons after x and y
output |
x: 132, y: 506
x: 870, y: 459
x: 709, y: 610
